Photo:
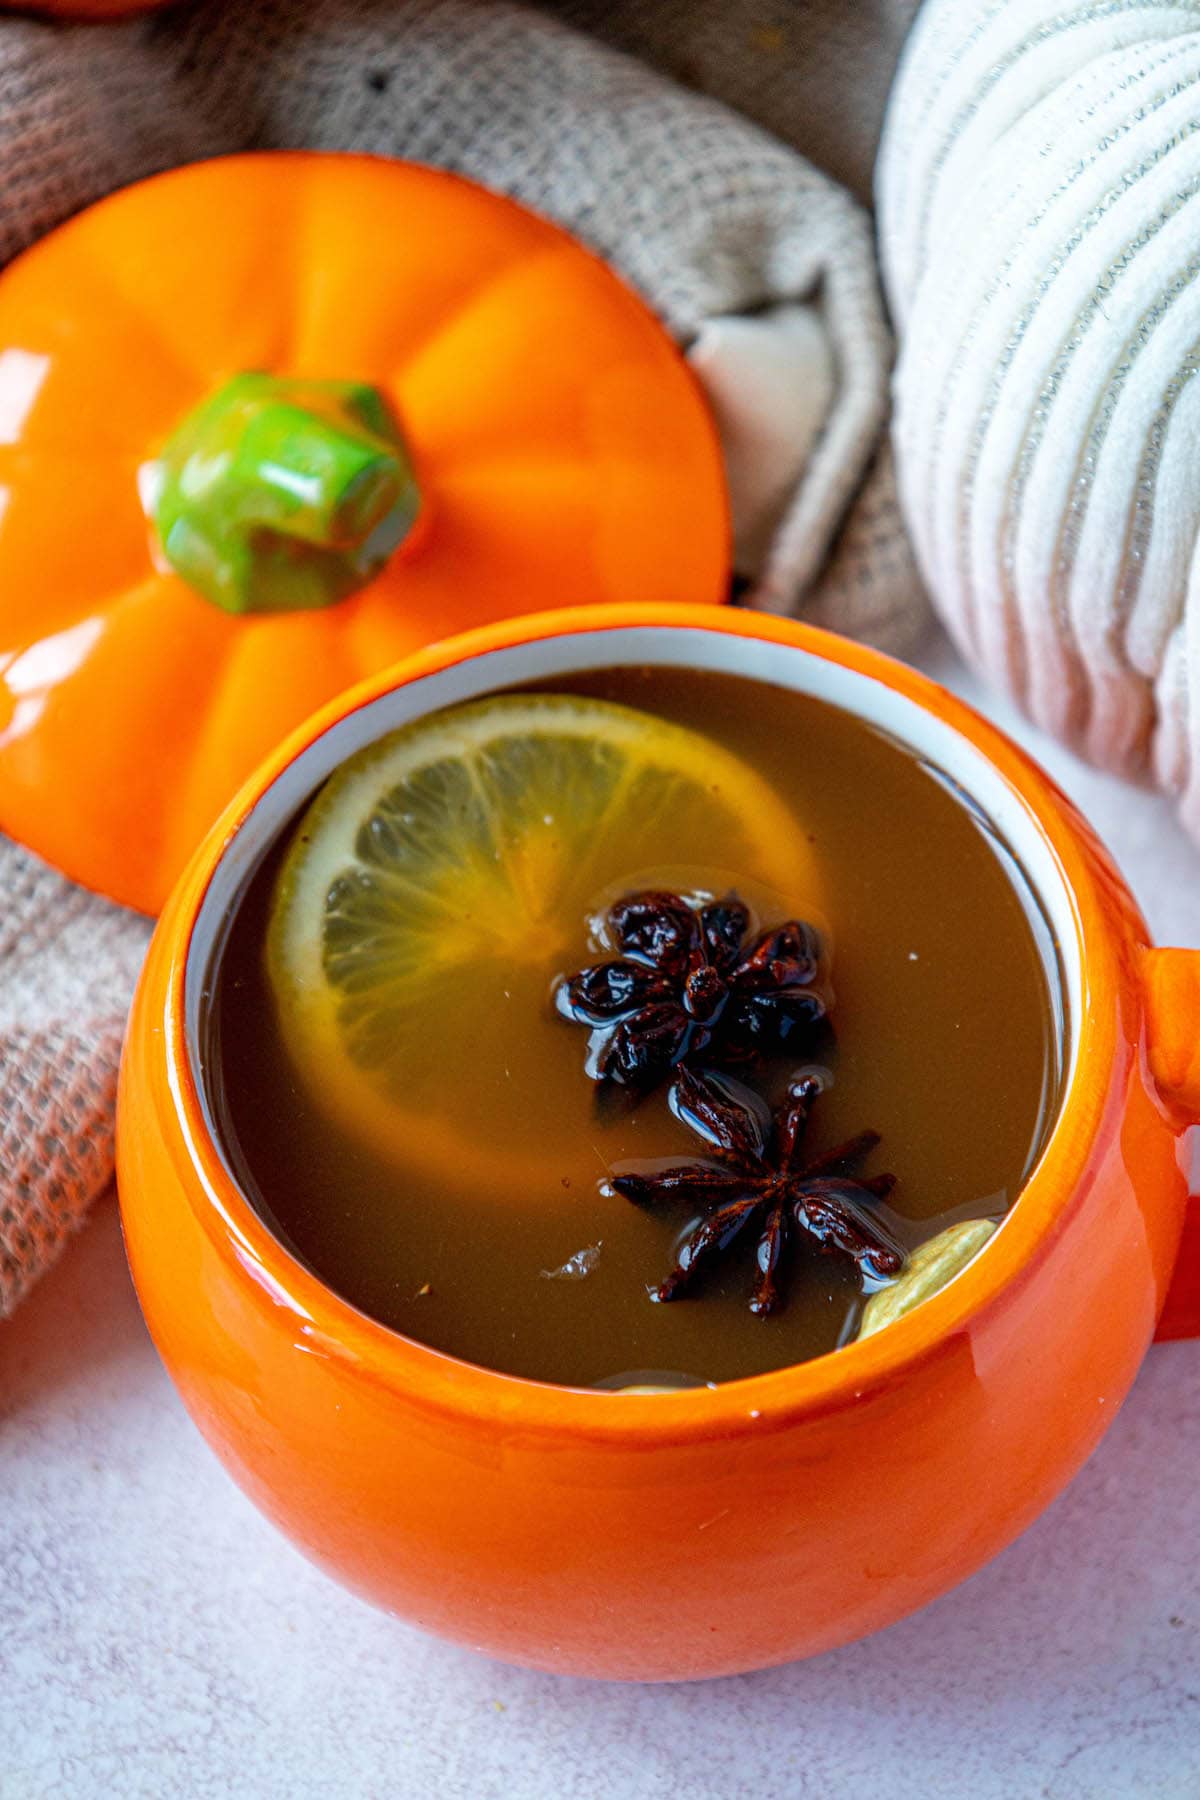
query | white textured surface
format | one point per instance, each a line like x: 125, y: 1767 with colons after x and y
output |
x: 158, y: 1639
x: 1039, y: 204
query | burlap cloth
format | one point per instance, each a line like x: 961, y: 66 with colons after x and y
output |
x: 761, y: 266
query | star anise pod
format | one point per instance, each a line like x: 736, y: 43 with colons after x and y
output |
x: 759, y: 1179
x: 686, y: 982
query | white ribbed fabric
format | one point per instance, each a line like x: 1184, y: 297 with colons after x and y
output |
x: 1039, y: 206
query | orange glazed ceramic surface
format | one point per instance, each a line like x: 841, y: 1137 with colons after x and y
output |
x: 481, y: 420
x: 707, y: 1531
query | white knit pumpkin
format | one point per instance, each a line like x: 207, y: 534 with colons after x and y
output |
x: 1039, y: 211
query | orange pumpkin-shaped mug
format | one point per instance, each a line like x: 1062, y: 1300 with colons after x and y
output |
x: 707, y: 1531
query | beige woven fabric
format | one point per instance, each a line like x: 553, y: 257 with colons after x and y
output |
x: 814, y: 73
x: 68, y: 962
x: 710, y: 218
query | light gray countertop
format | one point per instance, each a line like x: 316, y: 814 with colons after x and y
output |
x: 158, y: 1639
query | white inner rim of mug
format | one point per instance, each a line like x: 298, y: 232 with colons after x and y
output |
x: 975, y: 781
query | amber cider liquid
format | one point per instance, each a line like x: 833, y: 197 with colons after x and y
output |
x: 948, y: 1040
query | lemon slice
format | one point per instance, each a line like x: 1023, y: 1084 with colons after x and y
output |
x: 444, y: 875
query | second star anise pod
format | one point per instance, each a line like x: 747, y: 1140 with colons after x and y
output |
x: 687, y: 984
x: 760, y: 1182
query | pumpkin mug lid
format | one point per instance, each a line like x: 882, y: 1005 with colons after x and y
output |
x: 271, y: 422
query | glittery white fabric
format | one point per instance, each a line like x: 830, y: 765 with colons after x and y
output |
x: 1039, y: 206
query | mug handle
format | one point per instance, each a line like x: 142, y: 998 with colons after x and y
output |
x: 1171, y: 980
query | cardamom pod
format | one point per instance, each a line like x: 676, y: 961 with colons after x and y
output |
x: 925, y: 1273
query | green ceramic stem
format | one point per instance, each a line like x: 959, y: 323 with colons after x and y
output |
x: 276, y: 495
